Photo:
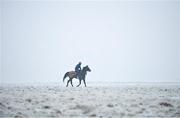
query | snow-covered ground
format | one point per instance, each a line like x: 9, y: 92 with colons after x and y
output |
x: 96, y: 100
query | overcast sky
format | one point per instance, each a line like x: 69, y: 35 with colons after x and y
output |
x: 120, y: 41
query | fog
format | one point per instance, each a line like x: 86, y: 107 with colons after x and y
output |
x: 121, y: 41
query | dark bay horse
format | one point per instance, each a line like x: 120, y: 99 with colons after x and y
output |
x: 82, y: 76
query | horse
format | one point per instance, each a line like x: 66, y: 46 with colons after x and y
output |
x: 72, y: 74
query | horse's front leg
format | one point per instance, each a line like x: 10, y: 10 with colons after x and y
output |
x: 84, y: 82
x: 79, y: 83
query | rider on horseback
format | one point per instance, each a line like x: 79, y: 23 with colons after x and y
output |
x: 78, y: 69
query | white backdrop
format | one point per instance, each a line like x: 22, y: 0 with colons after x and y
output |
x: 0, y: 41
x: 120, y: 41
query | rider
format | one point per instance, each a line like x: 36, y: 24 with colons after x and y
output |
x: 78, y: 68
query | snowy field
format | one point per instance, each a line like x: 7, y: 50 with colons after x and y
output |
x: 97, y: 100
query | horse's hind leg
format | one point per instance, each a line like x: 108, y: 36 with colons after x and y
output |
x: 84, y: 82
x: 68, y: 83
x: 71, y: 83
x: 79, y: 83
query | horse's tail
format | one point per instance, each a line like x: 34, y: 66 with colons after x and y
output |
x: 65, y: 76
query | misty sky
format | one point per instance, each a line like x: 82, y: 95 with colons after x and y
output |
x: 121, y: 41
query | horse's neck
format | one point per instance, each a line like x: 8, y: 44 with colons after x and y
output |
x: 84, y: 72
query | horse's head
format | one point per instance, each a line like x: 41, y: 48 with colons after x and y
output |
x: 87, y: 68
